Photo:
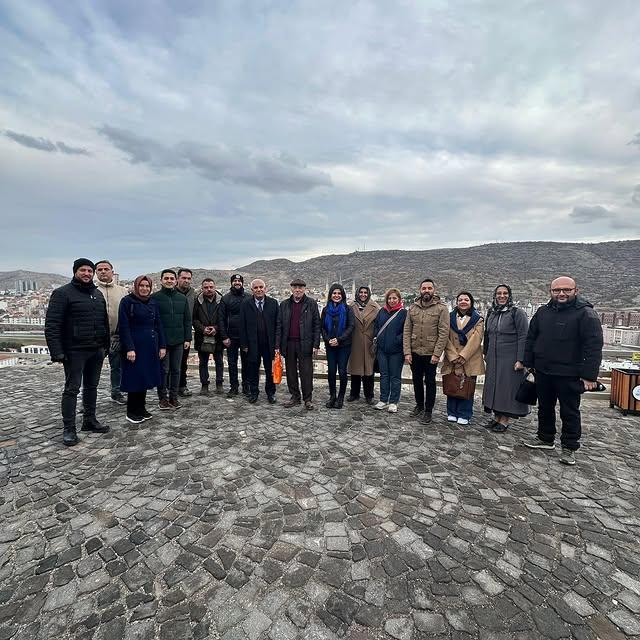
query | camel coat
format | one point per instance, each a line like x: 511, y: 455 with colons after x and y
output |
x: 471, y: 352
x: 361, y: 361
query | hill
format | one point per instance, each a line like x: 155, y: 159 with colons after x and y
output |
x: 43, y: 280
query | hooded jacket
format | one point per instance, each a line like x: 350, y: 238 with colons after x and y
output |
x: 426, y: 328
x: 565, y: 340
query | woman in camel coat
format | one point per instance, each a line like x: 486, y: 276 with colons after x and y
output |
x: 463, y: 352
x: 361, y: 361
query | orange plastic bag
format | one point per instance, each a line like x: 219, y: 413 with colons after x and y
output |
x: 276, y: 370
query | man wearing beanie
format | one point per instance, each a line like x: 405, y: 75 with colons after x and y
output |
x: 230, y: 333
x: 77, y: 334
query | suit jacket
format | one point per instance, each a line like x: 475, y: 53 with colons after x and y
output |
x: 309, y: 325
x: 249, y: 325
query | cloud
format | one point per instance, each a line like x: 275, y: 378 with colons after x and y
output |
x: 635, y: 140
x: 219, y: 163
x: 635, y: 196
x: 43, y: 144
x: 585, y: 214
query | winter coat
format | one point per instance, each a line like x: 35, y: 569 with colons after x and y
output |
x: 345, y: 338
x: 505, y: 333
x: 249, y: 326
x: 202, y: 318
x: 190, y: 295
x: 230, y: 313
x: 76, y: 320
x: 113, y: 294
x: 390, y: 341
x: 309, y: 325
x: 175, y: 316
x: 471, y: 352
x: 361, y: 361
x: 565, y: 340
x: 426, y: 328
x: 140, y: 330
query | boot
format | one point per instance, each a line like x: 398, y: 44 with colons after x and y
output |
x: 69, y: 437
x: 339, y: 401
x: 92, y: 424
x: 331, y: 402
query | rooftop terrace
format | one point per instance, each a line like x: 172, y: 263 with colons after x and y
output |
x: 238, y: 521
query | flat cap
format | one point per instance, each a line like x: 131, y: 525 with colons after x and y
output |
x: 297, y: 282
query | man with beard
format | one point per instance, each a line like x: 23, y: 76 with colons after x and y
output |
x: 206, y: 322
x: 298, y: 339
x: 184, y: 287
x: 230, y: 333
x: 112, y: 294
x: 77, y: 334
x: 426, y: 330
x: 564, y: 347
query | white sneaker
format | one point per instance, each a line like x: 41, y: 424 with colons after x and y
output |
x: 393, y: 408
x: 452, y: 419
x: 463, y: 421
x: 381, y: 405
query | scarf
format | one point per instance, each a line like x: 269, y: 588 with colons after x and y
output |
x: 498, y: 308
x: 334, y: 311
x: 389, y: 309
x: 462, y: 333
x: 136, y: 288
x: 359, y: 302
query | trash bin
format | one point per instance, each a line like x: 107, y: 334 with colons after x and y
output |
x: 625, y: 390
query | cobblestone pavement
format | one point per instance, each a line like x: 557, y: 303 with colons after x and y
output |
x: 238, y: 521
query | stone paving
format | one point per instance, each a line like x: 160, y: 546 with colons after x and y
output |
x: 246, y: 522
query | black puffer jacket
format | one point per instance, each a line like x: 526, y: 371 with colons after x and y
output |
x: 76, y: 320
x: 230, y: 313
x: 565, y: 340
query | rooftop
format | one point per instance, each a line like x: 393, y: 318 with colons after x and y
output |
x: 237, y: 521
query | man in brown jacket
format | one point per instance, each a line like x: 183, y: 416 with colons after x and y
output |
x: 426, y: 330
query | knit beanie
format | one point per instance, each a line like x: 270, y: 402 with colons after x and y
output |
x: 237, y: 276
x: 83, y: 262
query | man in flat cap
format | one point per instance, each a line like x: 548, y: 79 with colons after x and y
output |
x: 298, y: 340
x: 77, y: 334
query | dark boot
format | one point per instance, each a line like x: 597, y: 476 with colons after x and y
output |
x: 69, y: 437
x: 331, y: 402
x: 94, y: 426
x: 339, y: 401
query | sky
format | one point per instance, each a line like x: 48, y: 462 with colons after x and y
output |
x: 214, y: 133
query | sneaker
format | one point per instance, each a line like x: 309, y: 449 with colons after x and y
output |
x: 184, y: 392
x: 536, y: 443
x: 381, y: 405
x: 393, y: 408
x: 118, y: 398
x: 567, y: 456
x: 417, y: 411
x: 164, y: 405
x: 146, y: 415
x: 134, y: 419
x: 462, y: 421
x: 452, y: 419
x: 175, y: 403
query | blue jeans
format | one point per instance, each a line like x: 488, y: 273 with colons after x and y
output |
x: 390, y: 376
x: 460, y: 408
x: 115, y: 360
x: 337, y: 360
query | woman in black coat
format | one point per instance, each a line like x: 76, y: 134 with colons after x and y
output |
x: 337, y: 323
x: 143, y: 342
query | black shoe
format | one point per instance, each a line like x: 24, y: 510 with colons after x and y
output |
x: 491, y: 424
x: 218, y: 387
x: 339, y: 402
x: 232, y: 392
x: 331, y: 402
x: 95, y: 427
x: 146, y: 415
x: 271, y: 399
x: 426, y: 417
x: 370, y: 401
x: 118, y: 398
x: 253, y: 398
x: 204, y: 391
x: 174, y: 403
x: 69, y: 437
x: 417, y: 411
x: 352, y: 398
x: 134, y: 419
x: 184, y: 392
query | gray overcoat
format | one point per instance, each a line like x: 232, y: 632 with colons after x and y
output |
x: 505, y: 334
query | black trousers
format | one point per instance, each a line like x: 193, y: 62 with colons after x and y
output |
x: 367, y: 386
x: 183, y: 369
x: 203, y: 357
x: 297, y: 362
x: 81, y: 368
x: 136, y: 403
x: 567, y: 391
x: 253, y: 372
x: 423, y: 374
x: 233, y: 350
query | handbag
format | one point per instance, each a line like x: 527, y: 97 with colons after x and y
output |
x: 276, y: 370
x: 458, y: 385
x: 208, y: 344
x: 526, y: 392
x: 374, y: 344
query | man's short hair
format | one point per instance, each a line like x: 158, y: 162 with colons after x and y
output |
x: 103, y: 262
x: 184, y: 270
x: 428, y: 280
x: 167, y: 271
x: 208, y: 280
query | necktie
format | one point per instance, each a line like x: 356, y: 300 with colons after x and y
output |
x: 260, y: 306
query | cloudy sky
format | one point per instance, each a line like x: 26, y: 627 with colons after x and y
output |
x: 212, y: 134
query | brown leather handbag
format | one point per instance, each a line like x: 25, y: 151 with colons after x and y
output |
x: 458, y: 385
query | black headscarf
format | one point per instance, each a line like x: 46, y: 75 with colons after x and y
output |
x: 359, y: 302
x: 497, y: 308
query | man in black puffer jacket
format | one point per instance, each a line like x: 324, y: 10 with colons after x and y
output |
x: 230, y: 333
x: 564, y: 346
x: 77, y: 334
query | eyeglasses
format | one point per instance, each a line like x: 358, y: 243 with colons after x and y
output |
x: 557, y: 291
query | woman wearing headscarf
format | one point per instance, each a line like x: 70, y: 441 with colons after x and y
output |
x: 337, y: 324
x: 388, y: 330
x: 504, y: 338
x: 143, y: 343
x: 463, y: 353
x: 361, y: 360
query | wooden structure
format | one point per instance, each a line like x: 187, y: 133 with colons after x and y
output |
x: 625, y: 390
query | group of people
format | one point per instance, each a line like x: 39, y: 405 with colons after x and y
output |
x: 147, y: 338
